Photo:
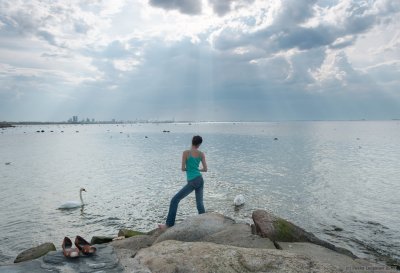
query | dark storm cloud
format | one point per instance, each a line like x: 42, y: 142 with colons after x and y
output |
x: 191, y: 7
x: 223, y: 7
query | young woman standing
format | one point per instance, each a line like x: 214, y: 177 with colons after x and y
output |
x: 190, y: 164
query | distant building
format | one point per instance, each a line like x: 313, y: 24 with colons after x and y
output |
x: 75, y: 119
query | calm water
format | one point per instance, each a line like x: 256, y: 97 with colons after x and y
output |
x: 320, y: 175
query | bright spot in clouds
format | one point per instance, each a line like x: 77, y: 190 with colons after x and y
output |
x: 200, y: 59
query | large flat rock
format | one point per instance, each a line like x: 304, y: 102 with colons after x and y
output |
x: 187, y: 257
x: 134, y: 243
x: 197, y: 227
x: 344, y: 262
x: 105, y: 260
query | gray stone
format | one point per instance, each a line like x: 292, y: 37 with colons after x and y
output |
x: 104, y: 260
x: 197, y: 227
x: 96, y: 240
x: 134, y: 243
x: 322, y: 254
x: 239, y: 235
x: 129, y: 233
x: 185, y: 257
x: 280, y: 230
x: 35, y: 252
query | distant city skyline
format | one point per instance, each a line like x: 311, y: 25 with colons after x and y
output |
x: 200, y: 60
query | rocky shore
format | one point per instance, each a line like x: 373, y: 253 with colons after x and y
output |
x: 205, y: 243
x: 5, y: 125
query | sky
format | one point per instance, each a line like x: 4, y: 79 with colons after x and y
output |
x: 199, y: 60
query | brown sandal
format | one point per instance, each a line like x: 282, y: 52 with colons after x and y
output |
x: 68, y: 251
x: 84, y: 246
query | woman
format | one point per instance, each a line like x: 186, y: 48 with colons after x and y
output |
x: 190, y: 164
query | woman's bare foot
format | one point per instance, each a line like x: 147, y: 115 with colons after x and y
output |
x: 163, y: 226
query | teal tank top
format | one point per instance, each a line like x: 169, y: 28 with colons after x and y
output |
x: 192, y: 166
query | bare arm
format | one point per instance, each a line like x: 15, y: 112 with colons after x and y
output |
x: 203, y: 162
x: 184, y: 156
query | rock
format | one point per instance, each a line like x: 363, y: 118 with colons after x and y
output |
x: 280, y: 230
x: 100, y: 240
x: 134, y: 243
x: 104, y: 261
x: 239, y: 235
x: 337, y: 228
x: 197, y: 227
x: 129, y: 233
x: 174, y: 256
x: 35, y: 252
x: 325, y: 255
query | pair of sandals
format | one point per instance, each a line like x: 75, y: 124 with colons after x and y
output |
x: 81, y: 246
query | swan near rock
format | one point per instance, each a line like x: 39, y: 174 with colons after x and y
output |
x: 74, y: 204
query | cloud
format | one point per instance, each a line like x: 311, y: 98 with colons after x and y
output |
x: 238, y: 59
x: 223, y: 7
x: 302, y: 25
x: 191, y: 7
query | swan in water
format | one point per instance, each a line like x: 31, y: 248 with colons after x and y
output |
x: 239, y: 200
x: 74, y: 204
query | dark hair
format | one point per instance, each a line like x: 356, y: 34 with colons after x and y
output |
x: 197, y: 140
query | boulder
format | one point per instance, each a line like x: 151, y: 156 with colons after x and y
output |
x: 239, y: 235
x: 325, y: 255
x: 35, y: 252
x: 100, y: 240
x: 129, y: 233
x: 175, y: 256
x: 105, y: 260
x: 280, y: 230
x: 134, y: 243
x: 197, y: 227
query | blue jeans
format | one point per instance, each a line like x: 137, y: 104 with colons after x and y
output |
x: 196, y: 184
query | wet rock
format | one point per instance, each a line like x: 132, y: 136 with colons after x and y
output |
x: 174, y: 256
x: 35, y: 252
x: 325, y: 255
x: 129, y: 233
x: 100, y: 240
x: 105, y: 260
x: 280, y: 230
x: 197, y: 227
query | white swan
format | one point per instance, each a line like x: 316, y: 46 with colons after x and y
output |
x: 239, y: 200
x: 74, y: 204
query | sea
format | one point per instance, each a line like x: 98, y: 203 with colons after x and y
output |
x: 336, y: 179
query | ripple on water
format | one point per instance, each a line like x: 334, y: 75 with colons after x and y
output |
x: 314, y: 175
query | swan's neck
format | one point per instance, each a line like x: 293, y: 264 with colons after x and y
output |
x: 80, y: 196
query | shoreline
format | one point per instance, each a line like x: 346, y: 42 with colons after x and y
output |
x: 212, y: 237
